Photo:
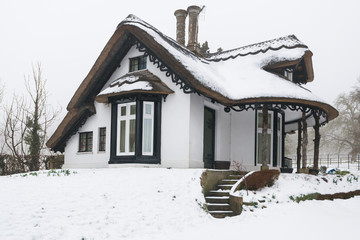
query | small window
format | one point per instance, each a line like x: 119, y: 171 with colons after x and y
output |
x: 288, y: 73
x: 137, y: 63
x: 102, y: 139
x: 85, y: 142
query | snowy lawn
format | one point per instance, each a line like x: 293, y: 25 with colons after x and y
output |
x: 152, y: 203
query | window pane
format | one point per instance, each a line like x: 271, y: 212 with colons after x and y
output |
x: 260, y: 120
x: 82, y: 147
x: 122, y: 135
x: 134, y: 64
x: 102, y: 139
x: 142, y: 64
x: 132, y: 136
x: 147, y: 135
x: 123, y: 111
x: 132, y: 109
x: 278, y: 123
x: 147, y: 108
x: 89, y: 141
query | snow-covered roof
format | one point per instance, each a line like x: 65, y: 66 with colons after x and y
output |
x: 236, y: 77
x: 134, y: 82
x: 238, y: 74
x: 288, y: 42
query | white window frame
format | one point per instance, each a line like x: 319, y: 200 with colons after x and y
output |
x: 127, y: 119
x: 288, y: 73
x: 151, y: 117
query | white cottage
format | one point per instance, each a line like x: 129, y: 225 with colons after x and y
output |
x: 150, y: 100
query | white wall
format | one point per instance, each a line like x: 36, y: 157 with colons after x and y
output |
x: 182, y: 121
x: 94, y: 159
x: 196, y: 131
x: 175, y: 124
x: 243, y: 138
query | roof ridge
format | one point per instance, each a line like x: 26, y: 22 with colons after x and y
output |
x: 131, y: 18
x: 262, y: 47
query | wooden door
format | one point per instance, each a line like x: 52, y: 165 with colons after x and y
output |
x: 209, y: 138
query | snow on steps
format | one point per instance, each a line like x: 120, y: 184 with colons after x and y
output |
x: 217, y: 200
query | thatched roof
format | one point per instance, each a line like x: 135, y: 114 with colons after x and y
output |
x: 242, y: 76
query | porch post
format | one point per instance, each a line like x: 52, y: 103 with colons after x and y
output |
x: 265, y: 146
x: 304, y: 142
x: 298, y: 150
x: 316, y: 141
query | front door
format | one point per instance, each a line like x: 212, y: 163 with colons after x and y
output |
x: 209, y: 137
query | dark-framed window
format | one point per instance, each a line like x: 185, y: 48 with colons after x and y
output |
x: 275, y: 137
x: 85, y: 142
x: 137, y: 63
x: 102, y: 139
x: 147, y: 130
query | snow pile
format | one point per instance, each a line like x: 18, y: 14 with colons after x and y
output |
x: 154, y: 203
x: 290, y: 186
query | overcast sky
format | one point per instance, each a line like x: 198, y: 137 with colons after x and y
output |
x: 67, y: 36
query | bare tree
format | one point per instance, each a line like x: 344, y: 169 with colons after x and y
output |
x: 26, y: 125
x: 38, y: 118
x: 14, y: 132
x: 343, y: 133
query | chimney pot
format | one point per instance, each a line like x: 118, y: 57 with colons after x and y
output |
x: 193, y: 12
x: 180, y: 15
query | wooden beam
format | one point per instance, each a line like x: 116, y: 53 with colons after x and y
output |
x: 316, y: 141
x: 265, y: 147
x: 298, y: 150
x: 304, y: 140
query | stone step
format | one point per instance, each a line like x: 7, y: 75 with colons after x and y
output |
x: 225, y: 186
x: 234, y: 176
x: 221, y: 199
x: 222, y: 214
x: 229, y: 181
x: 218, y: 193
x: 218, y: 207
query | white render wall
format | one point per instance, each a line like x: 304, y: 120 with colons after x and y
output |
x: 243, y: 138
x: 94, y: 159
x: 182, y: 127
x: 175, y: 124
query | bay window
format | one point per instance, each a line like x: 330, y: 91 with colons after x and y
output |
x: 135, y: 130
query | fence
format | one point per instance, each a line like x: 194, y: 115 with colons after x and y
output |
x: 332, y: 161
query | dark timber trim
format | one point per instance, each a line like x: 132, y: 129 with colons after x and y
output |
x: 275, y: 138
x: 256, y: 133
x: 283, y: 140
x: 213, y: 113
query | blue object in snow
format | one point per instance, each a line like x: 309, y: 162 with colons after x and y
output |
x: 331, y: 171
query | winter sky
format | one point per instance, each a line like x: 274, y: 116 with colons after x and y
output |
x: 67, y: 36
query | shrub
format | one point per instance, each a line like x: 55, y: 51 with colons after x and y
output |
x: 261, y: 179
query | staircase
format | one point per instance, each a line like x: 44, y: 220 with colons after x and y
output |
x: 217, y: 200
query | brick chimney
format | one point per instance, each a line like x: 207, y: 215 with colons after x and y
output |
x: 180, y: 15
x: 193, y: 12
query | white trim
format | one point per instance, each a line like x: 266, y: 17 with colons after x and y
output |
x: 147, y: 116
x: 127, y: 119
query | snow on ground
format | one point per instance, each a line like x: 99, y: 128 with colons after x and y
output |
x: 152, y: 203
